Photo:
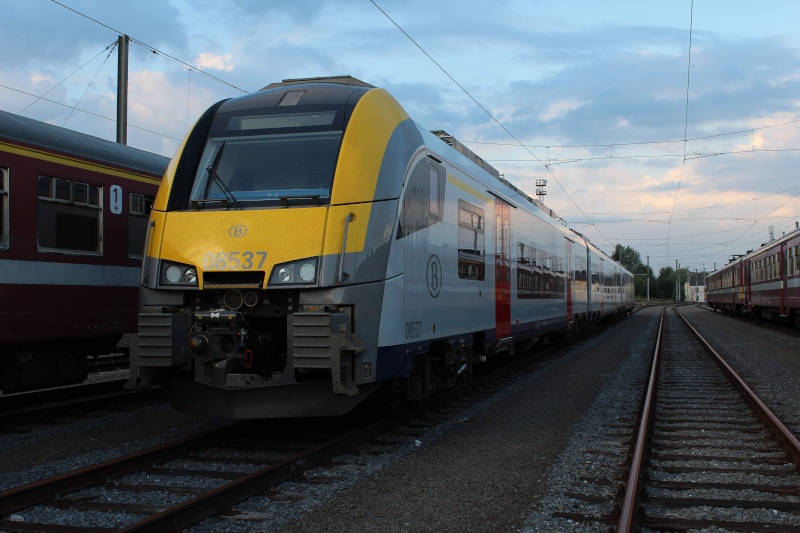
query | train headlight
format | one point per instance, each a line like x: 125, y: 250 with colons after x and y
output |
x: 302, y: 272
x: 177, y: 274
x: 173, y: 273
x: 307, y: 272
x: 190, y: 276
x: 285, y: 275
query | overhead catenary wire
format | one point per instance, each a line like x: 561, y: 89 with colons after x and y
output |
x: 87, y: 87
x: 153, y: 49
x: 701, y: 208
x: 564, y: 175
x: 485, y: 110
x: 51, y: 89
x: 640, y: 143
x: 90, y: 113
x: 685, y: 123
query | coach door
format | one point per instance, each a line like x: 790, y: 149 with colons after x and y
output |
x: 502, y: 268
x: 568, y: 277
x: 783, y: 263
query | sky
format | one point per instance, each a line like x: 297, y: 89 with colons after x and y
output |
x: 669, y: 126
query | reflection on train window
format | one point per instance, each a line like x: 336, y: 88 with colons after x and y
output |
x: 69, y: 216
x: 4, y: 208
x: 595, y: 277
x: 422, y: 205
x: 138, y: 216
x: 540, y: 274
x: 471, y: 242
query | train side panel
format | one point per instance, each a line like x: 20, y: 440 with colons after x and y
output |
x: 74, y: 216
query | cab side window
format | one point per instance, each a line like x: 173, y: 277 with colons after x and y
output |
x: 3, y: 208
x: 423, y: 202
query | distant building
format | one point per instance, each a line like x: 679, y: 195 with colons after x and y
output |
x: 695, y: 288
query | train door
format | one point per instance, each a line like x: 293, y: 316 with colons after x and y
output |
x: 502, y: 268
x: 568, y: 280
x: 783, y: 260
x: 744, y: 286
x: 602, y: 288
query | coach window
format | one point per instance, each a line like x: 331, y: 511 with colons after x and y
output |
x: 138, y: 216
x: 69, y: 217
x: 4, y: 208
x: 471, y: 242
x: 796, y: 259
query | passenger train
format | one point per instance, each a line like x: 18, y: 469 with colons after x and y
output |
x: 764, y: 283
x: 73, y: 216
x: 310, y: 244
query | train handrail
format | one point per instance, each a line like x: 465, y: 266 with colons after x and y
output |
x: 340, y: 274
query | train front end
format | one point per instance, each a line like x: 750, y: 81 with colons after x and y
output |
x: 263, y: 281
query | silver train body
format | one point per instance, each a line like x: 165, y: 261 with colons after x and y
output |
x: 371, y: 255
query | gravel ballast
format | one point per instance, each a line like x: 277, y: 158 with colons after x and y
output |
x: 519, y: 458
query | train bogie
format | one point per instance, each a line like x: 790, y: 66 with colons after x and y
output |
x: 363, y: 252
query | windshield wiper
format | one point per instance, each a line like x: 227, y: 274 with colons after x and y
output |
x: 229, y: 197
x: 285, y: 199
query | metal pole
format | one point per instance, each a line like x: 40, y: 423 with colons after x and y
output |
x: 122, y: 89
x: 648, y: 279
x: 677, y: 282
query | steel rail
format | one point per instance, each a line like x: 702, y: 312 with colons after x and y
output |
x: 223, y: 498
x: 42, y: 491
x: 626, y: 520
x: 32, y: 407
x: 780, y: 430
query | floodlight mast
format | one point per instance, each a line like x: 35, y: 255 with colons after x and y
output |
x: 540, y: 192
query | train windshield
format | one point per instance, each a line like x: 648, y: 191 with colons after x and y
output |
x: 270, y: 157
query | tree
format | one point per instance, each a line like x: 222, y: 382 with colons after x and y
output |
x: 666, y: 282
x: 632, y: 260
x: 628, y: 257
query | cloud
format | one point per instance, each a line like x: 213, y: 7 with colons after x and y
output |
x: 207, y: 60
x: 560, y: 109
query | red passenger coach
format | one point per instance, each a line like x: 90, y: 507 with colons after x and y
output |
x: 73, y: 221
x: 764, y: 283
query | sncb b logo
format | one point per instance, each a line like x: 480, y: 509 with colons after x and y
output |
x: 237, y: 231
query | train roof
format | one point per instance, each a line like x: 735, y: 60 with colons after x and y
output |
x: 341, y: 80
x: 30, y: 132
x: 761, y: 249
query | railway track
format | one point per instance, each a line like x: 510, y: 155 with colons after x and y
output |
x: 709, y: 453
x: 34, y: 406
x: 179, y: 484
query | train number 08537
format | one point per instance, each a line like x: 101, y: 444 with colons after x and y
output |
x: 414, y: 329
x: 233, y: 260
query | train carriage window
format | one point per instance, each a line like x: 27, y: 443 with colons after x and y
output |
x: 797, y: 259
x: 138, y: 217
x: 471, y: 242
x: 4, y: 188
x: 69, y: 217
